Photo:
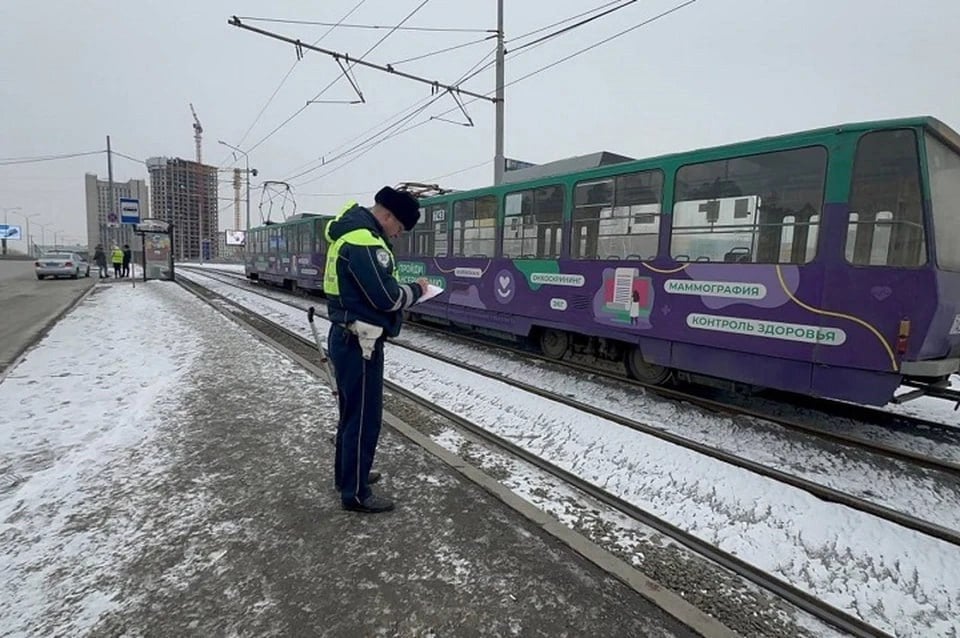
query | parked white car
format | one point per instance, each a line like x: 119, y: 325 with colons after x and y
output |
x: 62, y: 265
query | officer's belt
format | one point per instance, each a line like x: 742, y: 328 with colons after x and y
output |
x: 367, y: 335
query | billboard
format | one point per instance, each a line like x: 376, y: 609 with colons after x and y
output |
x: 156, y: 248
x: 9, y: 231
x: 235, y: 237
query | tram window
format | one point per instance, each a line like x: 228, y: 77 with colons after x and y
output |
x: 533, y: 223
x: 885, y: 227
x: 400, y: 246
x: 319, y: 230
x: 756, y: 209
x: 301, y: 238
x: 944, y: 167
x: 475, y: 227
x: 430, y: 235
x: 617, y: 217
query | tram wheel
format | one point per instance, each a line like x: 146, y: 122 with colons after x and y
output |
x: 554, y: 343
x: 643, y: 371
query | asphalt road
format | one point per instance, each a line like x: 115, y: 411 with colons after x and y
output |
x: 27, y: 305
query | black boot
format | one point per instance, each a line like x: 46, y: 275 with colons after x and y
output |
x: 372, y: 505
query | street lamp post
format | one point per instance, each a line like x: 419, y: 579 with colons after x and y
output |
x: 5, y: 211
x: 247, y: 160
x: 43, y: 236
x: 27, y: 218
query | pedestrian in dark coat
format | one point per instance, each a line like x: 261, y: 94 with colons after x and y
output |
x: 100, y: 259
x: 127, y: 256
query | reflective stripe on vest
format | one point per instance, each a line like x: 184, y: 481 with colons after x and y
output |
x: 358, y: 237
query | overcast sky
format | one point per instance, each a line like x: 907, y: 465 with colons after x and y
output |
x: 714, y: 72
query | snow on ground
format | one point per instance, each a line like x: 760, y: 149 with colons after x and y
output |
x: 214, y: 266
x: 921, y: 440
x: 928, y: 495
x: 76, y: 410
x: 939, y: 410
x: 655, y: 555
x: 922, y: 493
x: 899, y: 580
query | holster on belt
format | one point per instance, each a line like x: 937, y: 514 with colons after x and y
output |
x: 367, y: 335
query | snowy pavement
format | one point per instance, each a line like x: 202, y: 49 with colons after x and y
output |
x: 896, y: 579
x: 81, y: 409
x: 165, y: 473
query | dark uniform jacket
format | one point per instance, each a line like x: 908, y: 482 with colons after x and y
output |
x: 368, y: 290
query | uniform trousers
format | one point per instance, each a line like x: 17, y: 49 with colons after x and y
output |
x: 360, y: 393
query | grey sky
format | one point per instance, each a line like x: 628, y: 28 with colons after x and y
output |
x: 717, y: 71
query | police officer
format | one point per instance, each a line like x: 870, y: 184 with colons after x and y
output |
x: 365, y: 302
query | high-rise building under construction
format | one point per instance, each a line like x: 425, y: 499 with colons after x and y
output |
x: 184, y: 193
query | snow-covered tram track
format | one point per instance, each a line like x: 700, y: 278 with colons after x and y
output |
x: 919, y: 441
x: 705, y: 498
x: 932, y: 507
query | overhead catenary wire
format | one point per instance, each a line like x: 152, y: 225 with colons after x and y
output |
x: 11, y: 161
x: 511, y: 83
x: 368, y: 26
x: 559, y: 22
x: 444, y: 50
x: 474, y: 71
x: 419, y: 107
x: 572, y: 26
x: 337, y: 79
x: 345, y: 57
x: 127, y: 157
x: 578, y: 52
x: 462, y: 170
x: 289, y: 72
x: 513, y: 53
x: 416, y: 104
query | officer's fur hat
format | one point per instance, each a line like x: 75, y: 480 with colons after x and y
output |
x: 404, y: 206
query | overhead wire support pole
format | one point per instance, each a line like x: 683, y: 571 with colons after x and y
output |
x: 234, y: 21
x: 499, y: 161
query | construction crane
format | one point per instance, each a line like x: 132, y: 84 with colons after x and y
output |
x: 197, y: 132
x: 198, y: 137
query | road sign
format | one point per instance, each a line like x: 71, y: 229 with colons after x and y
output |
x: 129, y: 210
x: 9, y: 231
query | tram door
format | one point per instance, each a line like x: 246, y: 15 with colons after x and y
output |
x: 877, y: 258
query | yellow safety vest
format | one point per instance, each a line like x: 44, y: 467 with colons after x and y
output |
x: 326, y: 229
x: 358, y: 237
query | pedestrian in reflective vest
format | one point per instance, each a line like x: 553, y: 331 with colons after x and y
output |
x: 365, y: 304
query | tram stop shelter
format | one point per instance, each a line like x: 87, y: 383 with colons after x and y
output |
x: 157, y: 238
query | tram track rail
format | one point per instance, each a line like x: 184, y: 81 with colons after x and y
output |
x: 303, y: 350
x: 866, y: 414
